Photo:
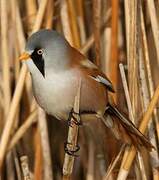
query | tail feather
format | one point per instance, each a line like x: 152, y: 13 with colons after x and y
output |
x: 124, y: 129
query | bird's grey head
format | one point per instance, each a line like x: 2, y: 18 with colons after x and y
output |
x: 48, y: 51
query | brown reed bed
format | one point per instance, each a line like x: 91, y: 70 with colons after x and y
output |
x: 121, y: 37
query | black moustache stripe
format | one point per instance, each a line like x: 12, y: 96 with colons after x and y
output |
x: 38, y: 61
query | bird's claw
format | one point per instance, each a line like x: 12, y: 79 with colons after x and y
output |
x: 73, y: 119
x: 70, y: 151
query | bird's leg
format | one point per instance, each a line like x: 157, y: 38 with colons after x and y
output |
x: 69, y: 149
x: 72, y: 118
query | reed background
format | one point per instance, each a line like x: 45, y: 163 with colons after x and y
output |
x: 109, y: 33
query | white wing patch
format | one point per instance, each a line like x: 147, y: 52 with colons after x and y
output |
x: 104, y: 81
x: 88, y: 64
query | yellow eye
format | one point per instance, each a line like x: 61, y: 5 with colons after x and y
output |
x: 40, y: 52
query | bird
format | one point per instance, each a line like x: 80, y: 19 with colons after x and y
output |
x: 56, y: 68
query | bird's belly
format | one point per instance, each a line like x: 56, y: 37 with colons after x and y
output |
x: 56, y: 96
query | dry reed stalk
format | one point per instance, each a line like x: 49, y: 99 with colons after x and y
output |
x: 147, y: 65
x: 22, y: 129
x: 17, y: 166
x: 66, y: 22
x: 127, y: 21
x: 114, y: 45
x: 28, y: 98
x: 73, y: 23
x: 137, y: 171
x: 40, y: 15
x: 87, y: 45
x: 16, y: 61
x: 31, y: 11
x: 146, y: 98
x: 19, y: 87
x: 5, y: 57
x: 19, y: 29
x: 107, y: 46
x: 155, y: 174
x: 10, y: 173
x: 154, y: 154
x: 49, y: 14
x: 113, y: 163
x: 43, y: 129
x: 154, y: 25
x: 142, y: 169
x: 9, y: 158
x: 80, y: 20
x: 25, y: 168
x: 130, y: 19
x: 126, y: 91
x: 132, y: 64
x: 15, y: 57
x: 38, y: 163
x: 91, y: 162
x: 90, y: 40
x: 1, y: 100
x: 106, y: 43
x: 132, y: 152
x: 72, y: 138
x: 96, y: 29
x: 11, y: 116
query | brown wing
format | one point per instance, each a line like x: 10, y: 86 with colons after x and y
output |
x: 90, y: 69
x: 96, y: 74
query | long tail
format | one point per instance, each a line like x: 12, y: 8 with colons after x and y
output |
x: 124, y: 129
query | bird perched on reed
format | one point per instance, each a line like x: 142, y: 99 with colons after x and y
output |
x: 56, y: 68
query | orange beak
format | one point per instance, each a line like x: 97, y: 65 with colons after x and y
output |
x: 24, y: 56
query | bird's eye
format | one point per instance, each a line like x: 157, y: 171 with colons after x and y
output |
x: 39, y: 51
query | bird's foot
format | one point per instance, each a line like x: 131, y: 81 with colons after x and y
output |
x: 70, y: 150
x: 73, y: 118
